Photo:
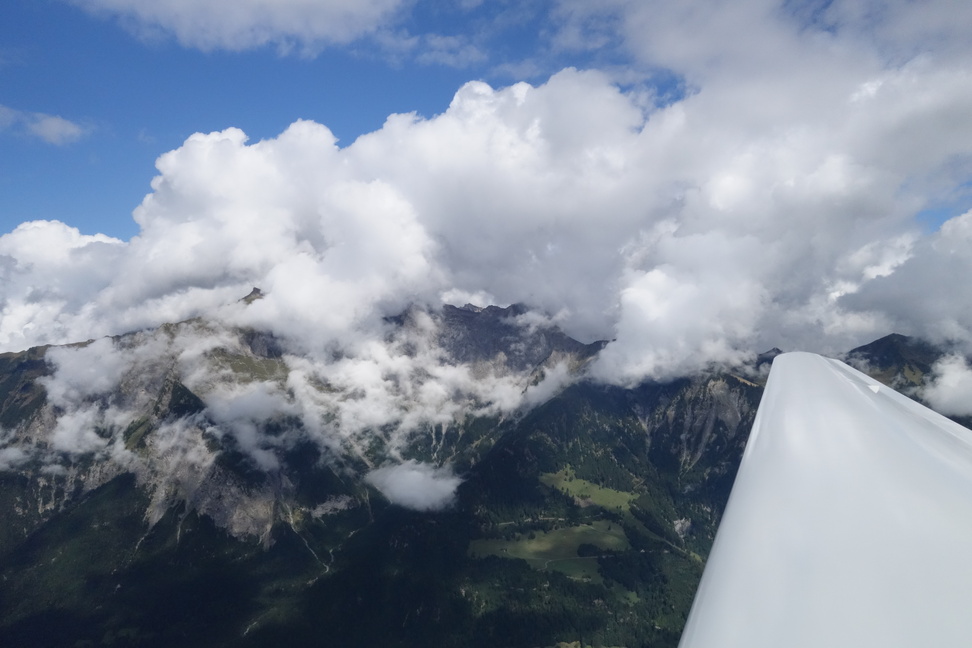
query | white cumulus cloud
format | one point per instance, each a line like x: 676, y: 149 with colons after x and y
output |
x: 949, y: 387
x: 770, y: 201
x: 415, y: 485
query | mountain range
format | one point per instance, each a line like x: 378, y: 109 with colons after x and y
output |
x: 207, y: 485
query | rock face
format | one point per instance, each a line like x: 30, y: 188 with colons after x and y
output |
x: 508, y: 336
x: 150, y: 424
x: 896, y: 360
x: 205, y: 485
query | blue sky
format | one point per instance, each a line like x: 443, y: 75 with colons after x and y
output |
x: 137, y: 99
x: 137, y: 96
x: 694, y: 180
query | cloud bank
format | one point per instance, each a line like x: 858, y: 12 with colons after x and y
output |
x: 773, y: 198
x: 949, y: 386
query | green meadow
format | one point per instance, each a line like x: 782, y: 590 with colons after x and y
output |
x: 588, y: 492
x: 557, y: 549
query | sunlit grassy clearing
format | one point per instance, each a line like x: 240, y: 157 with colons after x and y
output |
x: 607, y: 498
x: 557, y: 549
x: 565, y: 481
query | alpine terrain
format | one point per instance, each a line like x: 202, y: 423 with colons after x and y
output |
x: 201, y: 484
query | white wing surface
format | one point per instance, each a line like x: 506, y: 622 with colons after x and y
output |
x: 849, y: 523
